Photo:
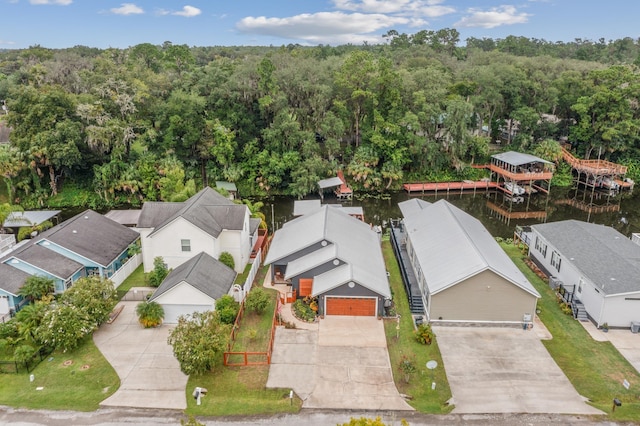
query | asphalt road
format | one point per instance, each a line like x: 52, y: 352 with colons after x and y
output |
x: 129, y: 417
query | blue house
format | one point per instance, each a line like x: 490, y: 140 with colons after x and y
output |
x: 87, y: 244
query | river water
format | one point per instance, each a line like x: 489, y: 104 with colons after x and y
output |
x: 621, y: 211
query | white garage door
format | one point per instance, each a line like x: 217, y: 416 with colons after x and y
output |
x: 172, y: 312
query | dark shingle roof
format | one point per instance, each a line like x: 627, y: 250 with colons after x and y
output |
x: 47, y: 260
x: 208, y: 210
x: 602, y: 254
x: 11, y: 279
x: 203, y: 272
x: 93, y: 236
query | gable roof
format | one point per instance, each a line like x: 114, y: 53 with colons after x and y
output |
x: 518, y: 158
x: 355, y: 243
x: 207, y: 210
x: 608, y: 258
x: 47, y: 260
x: 202, y: 272
x: 452, y: 245
x: 412, y: 206
x: 28, y: 218
x: 93, y: 236
x: 11, y: 279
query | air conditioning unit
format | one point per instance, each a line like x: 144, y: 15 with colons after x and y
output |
x: 635, y: 327
x: 554, y: 283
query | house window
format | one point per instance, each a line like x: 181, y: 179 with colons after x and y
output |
x: 186, y: 245
x: 541, y: 247
x: 556, y: 260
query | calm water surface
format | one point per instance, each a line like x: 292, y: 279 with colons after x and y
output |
x: 623, y: 214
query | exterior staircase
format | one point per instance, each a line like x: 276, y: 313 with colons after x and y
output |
x: 579, y: 312
x: 415, y: 304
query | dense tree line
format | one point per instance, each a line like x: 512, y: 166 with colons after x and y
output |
x: 155, y: 122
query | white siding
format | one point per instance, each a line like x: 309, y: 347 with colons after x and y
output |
x: 166, y: 243
x: 173, y: 312
x: 185, y: 294
x: 621, y: 310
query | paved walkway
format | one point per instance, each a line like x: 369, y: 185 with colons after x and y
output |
x: 505, y: 370
x: 150, y: 375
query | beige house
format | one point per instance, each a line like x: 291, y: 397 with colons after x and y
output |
x: 463, y: 275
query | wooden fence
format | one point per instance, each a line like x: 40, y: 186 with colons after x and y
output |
x: 247, y: 357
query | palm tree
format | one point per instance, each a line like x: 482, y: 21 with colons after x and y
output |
x: 36, y: 287
x: 150, y: 314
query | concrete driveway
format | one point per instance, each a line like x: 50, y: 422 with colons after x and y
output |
x: 344, y: 364
x: 505, y: 370
x: 150, y: 375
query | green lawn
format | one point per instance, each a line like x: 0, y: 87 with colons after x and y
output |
x: 81, y: 385
x: 136, y: 279
x: 596, y: 369
x: 402, y: 343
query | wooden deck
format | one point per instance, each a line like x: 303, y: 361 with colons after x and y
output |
x: 594, y: 167
x: 435, y: 187
x: 506, y: 214
x: 589, y: 207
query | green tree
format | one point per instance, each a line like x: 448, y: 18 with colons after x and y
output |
x: 227, y: 309
x: 257, y: 300
x: 150, y: 314
x: 94, y: 295
x: 29, y: 318
x: 159, y: 272
x: 36, y: 287
x: 226, y: 258
x: 64, y: 327
x: 198, y: 341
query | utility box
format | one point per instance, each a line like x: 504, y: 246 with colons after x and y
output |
x: 635, y: 326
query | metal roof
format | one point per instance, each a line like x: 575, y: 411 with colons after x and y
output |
x: 412, y: 206
x: 330, y: 182
x: 28, y: 218
x: 227, y: 186
x: 311, y: 260
x: 302, y: 207
x: 452, y: 245
x: 202, y: 272
x: 605, y: 256
x: 356, y: 244
x: 518, y: 158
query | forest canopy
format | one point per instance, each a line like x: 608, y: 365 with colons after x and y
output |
x: 154, y: 122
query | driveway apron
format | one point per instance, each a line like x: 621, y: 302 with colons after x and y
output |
x: 344, y: 364
x: 150, y: 375
x: 505, y: 370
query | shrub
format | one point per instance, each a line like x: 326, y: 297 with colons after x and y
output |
x: 424, y: 334
x: 408, y: 367
x: 303, y: 311
x: 159, y: 272
x: 227, y: 259
x: 227, y: 309
x: 150, y: 314
x: 257, y: 300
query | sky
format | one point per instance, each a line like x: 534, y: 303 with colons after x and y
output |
x: 118, y: 24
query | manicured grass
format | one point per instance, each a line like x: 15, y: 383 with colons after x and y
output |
x: 241, y: 278
x: 402, y: 343
x: 596, y: 369
x: 65, y: 387
x: 239, y: 391
x: 242, y: 390
x: 135, y: 279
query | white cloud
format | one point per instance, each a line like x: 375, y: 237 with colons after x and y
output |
x: 188, y: 12
x: 423, y: 8
x: 127, y: 9
x: 6, y: 42
x: 495, y: 17
x: 60, y: 2
x: 323, y: 27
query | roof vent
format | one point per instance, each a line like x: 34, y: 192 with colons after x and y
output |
x: 74, y: 231
x: 86, y: 217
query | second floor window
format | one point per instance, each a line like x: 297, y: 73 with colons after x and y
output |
x: 186, y: 245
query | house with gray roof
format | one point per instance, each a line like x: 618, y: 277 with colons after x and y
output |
x: 597, y: 266
x: 462, y: 273
x: 11, y: 279
x: 207, y: 222
x: 87, y: 244
x: 330, y: 255
x: 194, y: 286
